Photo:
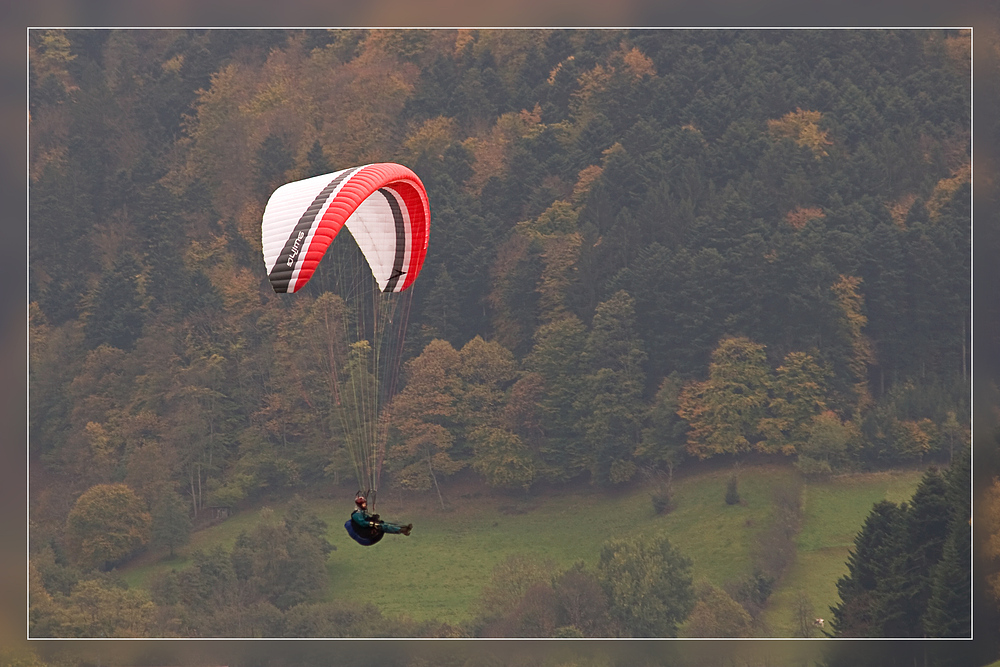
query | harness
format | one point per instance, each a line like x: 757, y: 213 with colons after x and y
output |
x: 364, y: 535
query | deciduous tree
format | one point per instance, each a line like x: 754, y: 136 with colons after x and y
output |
x: 510, y: 581
x: 648, y: 584
x: 852, y: 349
x: 425, y: 415
x: 798, y: 393
x: 95, y: 610
x: 715, y: 614
x: 724, y: 412
x: 108, y: 523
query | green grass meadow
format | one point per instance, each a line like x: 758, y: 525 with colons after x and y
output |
x: 833, y: 512
x: 438, y: 572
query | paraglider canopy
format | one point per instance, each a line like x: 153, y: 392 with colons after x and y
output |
x: 383, y: 205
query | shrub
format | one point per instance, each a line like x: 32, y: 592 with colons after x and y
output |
x: 621, y: 471
x: 663, y: 500
x: 752, y: 592
x: 732, y: 490
x: 813, y: 468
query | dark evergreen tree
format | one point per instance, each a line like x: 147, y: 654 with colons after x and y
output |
x: 115, y: 310
x: 272, y: 160
x: 61, y: 254
x: 870, y: 562
x: 316, y: 162
x: 171, y: 523
x: 556, y: 357
x: 612, y: 390
x: 885, y: 286
x: 904, y: 590
x: 441, y: 308
x: 949, y: 608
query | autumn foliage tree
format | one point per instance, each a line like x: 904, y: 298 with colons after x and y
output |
x: 855, y: 351
x: 425, y: 416
x: 716, y: 614
x: 108, y: 523
x: 798, y: 389
x: 746, y: 406
x: 803, y: 128
x: 724, y: 411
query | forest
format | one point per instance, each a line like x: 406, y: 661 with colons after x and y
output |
x: 650, y: 250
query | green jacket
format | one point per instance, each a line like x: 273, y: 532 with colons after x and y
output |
x: 363, y: 519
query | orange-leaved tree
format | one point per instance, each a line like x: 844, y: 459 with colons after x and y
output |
x: 724, y: 411
x: 108, y: 523
x: 424, y: 414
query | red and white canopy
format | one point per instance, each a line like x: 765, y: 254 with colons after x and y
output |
x: 384, y: 207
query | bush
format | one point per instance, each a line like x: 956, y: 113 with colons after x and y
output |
x: 732, y: 490
x: 567, y: 632
x: 663, y: 500
x: 752, y: 592
x: 813, y: 468
x: 621, y: 471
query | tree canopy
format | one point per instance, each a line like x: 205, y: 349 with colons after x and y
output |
x: 647, y: 247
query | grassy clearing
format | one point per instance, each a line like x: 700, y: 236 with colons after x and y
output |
x: 140, y: 571
x: 438, y: 571
x: 833, y: 512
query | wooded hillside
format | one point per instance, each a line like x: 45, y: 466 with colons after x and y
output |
x: 647, y: 248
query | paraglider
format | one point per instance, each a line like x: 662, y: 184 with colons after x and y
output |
x: 385, y: 209
x: 367, y: 529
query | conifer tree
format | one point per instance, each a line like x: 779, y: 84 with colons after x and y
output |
x: 906, y: 587
x: 611, y: 400
x: 557, y: 358
x: 171, y: 523
x: 316, y: 162
x: 115, y: 310
x: 870, y: 561
x: 949, y: 608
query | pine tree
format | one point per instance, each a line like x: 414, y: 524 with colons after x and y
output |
x: 115, y: 311
x: 949, y: 608
x: 441, y: 308
x: 905, y: 588
x: 612, y: 395
x: 869, y: 562
x: 171, y: 523
x: 663, y: 438
x: 316, y: 162
x: 556, y: 358
x: 272, y: 160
